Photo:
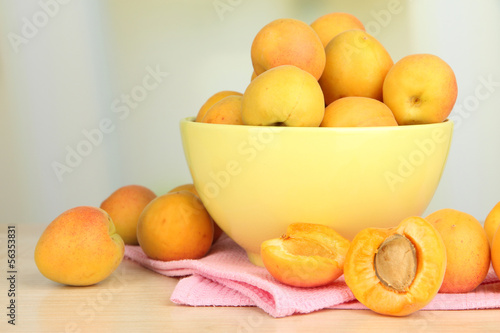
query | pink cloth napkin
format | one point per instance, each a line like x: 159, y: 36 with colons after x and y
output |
x: 225, y: 277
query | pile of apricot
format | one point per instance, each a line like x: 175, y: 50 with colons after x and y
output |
x: 393, y: 271
x: 172, y: 226
x: 332, y: 73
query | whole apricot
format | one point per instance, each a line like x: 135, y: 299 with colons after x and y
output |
x: 495, y: 253
x: 330, y: 25
x: 288, y: 42
x: 492, y: 222
x: 212, y: 100
x: 420, y: 89
x: 308, y: 255
x: 175, y: 226
x: 358, y: 112
x: 284, y: 95
x: 396, y: 271
x: 125, y: 205
x: 467, y: 249
x: 225, y: 111
x: 185, y: 187
x: 80, y: 247
x: 190, y: 187
x: 356, y: 65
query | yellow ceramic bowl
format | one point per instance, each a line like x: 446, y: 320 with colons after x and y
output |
x: 256, y: 180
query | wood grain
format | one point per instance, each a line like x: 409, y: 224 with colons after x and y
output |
x: 134, y: 299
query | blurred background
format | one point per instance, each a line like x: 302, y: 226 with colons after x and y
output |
x: 92, y: 92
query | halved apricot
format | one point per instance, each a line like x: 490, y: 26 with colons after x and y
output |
x: 396, y: 271
x: 308, y: 255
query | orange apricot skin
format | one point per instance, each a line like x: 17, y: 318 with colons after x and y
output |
x: 492, y: 222
x: 190, y: 187
x: 467, y: 247
x: 495, y: 253
x: 361, y: 278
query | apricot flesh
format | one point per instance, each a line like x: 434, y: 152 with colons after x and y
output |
x: 308, y: 255
x: 406, y: 293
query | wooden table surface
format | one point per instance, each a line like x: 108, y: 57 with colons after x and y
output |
x: 135, y: 299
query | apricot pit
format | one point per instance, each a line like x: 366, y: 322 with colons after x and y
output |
x: 395, y: 262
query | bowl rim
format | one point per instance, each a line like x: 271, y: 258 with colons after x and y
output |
x: 446, y: 123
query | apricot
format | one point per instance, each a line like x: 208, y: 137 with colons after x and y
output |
x: 396, y: 271
x: 185, y: 187
x: 175, y: 226
x: 420, y: 89
x: 284, y: 95
x: 467, y: 249
x: 492, y: 222
x: 358, y: 112
x: 212, y: 100
x: 288, y: 42
x: 254, y: 75
x: 190, y: 187
x: 356, y: 65
x: 125, y: 205
x: 495, y: 253
x: 80, y: 247
x: 330, y: 25
x: 225, y: 111
x: 308, y: 255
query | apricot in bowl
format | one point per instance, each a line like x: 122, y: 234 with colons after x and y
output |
x: 256, y: 180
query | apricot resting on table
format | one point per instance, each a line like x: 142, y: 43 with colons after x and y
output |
x: 467, y: 250
x: 288, y: 42
x: 284, y: 95
x: 79, y: 248
x: 212, y: 100
x: 175, y: 226
x: 190, y: 187
x: 358, y: 112
x: 495, y: 253
x: 125, y: 205
x: 308, y: 255
x: 492, y: 222
x: 356, y: 65
x: 396, y: 271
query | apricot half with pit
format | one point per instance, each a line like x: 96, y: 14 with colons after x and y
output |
x: 308, y: 255
x: 396, y: 271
